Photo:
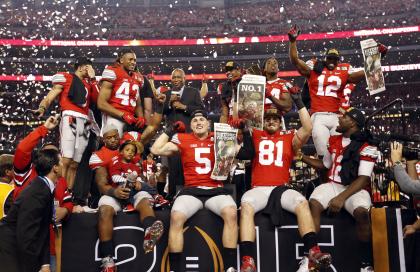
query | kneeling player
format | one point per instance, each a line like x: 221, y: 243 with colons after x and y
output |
x: 272, y: 151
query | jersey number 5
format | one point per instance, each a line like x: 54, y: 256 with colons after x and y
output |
x: 266, y: 153
x: 206, y: 168
x: 123, y: 93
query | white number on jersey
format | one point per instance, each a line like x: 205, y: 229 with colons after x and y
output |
x: 206, y: 168
x: 123, y: 93
x: 346, y: 93
x: 266, y: 153
x: 331, y: 88
x: 337, y: 167
x: 275, y: 93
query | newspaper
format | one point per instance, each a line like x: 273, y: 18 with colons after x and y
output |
x: 224, y: 150
x: 373, y: 71
x: 250, y: 97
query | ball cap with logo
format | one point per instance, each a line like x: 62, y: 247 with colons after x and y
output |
x: 332, y: 53
x: 356, y: 115
x: 272, y: 112
x: 230, y: 65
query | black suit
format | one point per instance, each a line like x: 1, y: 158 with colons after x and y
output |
x: 25, y: 232
x: 191, y: 99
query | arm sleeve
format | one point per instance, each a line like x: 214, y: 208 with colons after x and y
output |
x: 247, y: 151
x: 109, y: 75
x: 59, y: 79
x: 406, y: 183
x: 95, y: 162
x: 22, y: 159
x: 368, y: 156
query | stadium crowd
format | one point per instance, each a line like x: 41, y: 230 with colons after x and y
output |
x: 267, y: 18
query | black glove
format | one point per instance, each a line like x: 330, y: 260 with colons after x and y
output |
x: 295, y: 93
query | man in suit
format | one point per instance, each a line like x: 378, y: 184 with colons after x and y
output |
x: 181, y: 101
x: 25, y: 231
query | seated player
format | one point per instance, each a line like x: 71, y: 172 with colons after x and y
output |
x: 115, y: 196
x: 197, y: 156
x: 350, y: 161
x: 272, y: 151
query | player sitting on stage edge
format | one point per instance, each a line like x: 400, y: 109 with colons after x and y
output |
x: 272, y: 151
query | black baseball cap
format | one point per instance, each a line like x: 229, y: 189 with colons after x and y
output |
x: 356, y: 115
x: 230, y: 65
x: 332, y: 52
x: 82, y: 61
x: 199, y: 113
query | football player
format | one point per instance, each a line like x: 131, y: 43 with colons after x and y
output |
x: 119, y: 97
x: 350, y: 160
x: 272, y: 151
x: 75, y: 92
x: 197, y: 156
x: 326, y: 80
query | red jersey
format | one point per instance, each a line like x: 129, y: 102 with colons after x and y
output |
x: 345, y: 99
x: 62, y: 198
x: 277, y: 87
x: 336, y: 147
x: 274, y: 155
x: 102, y: 157
x: 197, y: 158
x: 65, y: 80
x: 326, y: 89
x: 148, y: 168
x: 125, y: 87
x: 24, y: 170
x: 120, y: 168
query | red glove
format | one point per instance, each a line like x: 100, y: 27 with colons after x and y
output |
x: 382, y: 49
x: 129, y: 118
x: 237, y: 123
x: 293, y: 33
x: 294, y: 90
x: 179, y: 127
x: 140, y: 122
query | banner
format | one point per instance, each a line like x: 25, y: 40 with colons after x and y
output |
x: 277, y: 249
x: 373, y: 71
x: 250, y: 97
x: 224, y: 150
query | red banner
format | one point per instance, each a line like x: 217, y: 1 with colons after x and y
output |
x: 206, y: 41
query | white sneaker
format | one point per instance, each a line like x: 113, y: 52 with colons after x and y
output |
x: 366, y: 269
x: 303, y: 265
x: 231, y: 269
